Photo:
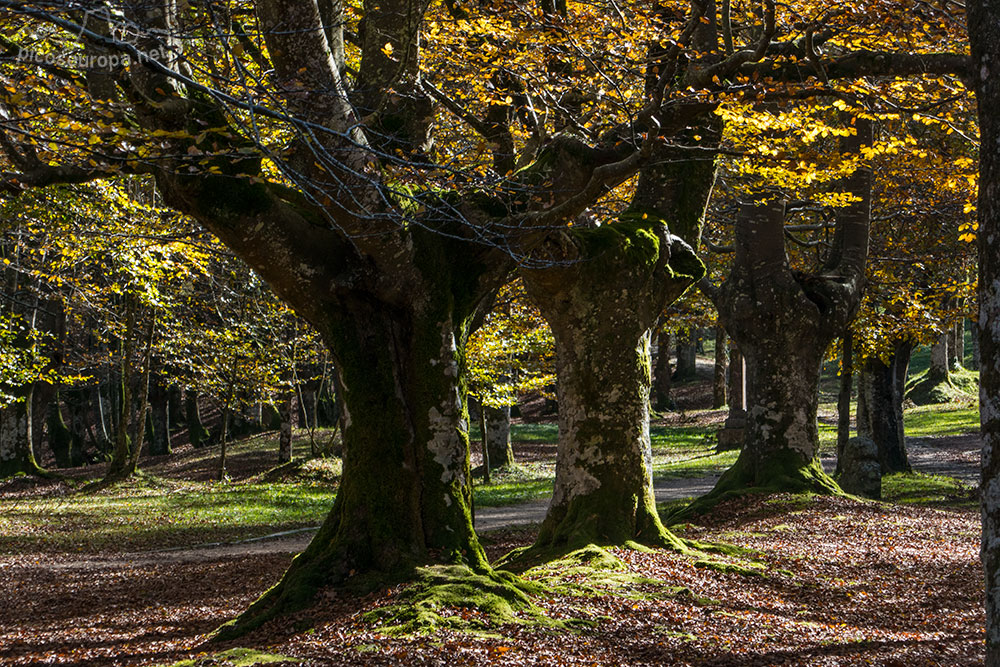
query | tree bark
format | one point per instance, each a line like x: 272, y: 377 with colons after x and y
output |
x: 687, y: 357
x: 782, y: 321
x: 974, y: 344
x: 983, y: 22
x: 938, y: 371
x: 880, y: 407
x: 159, y: 402
x: 198, y: 435
x: 286, y: 409
x: 601, y: 305
x: 957, y: 346
x: 16, y: 454
x: 501, y: 454
x: 61, y: 438
x: 662, y: 401
x: 721, y: 368
x: 844, y: 395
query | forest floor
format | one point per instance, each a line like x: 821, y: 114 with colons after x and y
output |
x: 825, y: 581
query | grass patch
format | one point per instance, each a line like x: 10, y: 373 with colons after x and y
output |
x: 519, y: 483
x: 687, y: 452
x: 937, y: 420
x: 534, y: 433
x: 929, y: 490
x: 150, y: 513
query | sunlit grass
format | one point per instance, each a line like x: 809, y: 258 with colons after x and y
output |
x: 519, y: 483
x: 940, y: 420
x: 143, y: 515
x: 932, y: 490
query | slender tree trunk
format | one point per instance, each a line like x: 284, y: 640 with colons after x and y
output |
x: 603, y: 490
x: 498, y: 437
x: 122, y: 447
x: 721, y: 368
x: 974, y: 340
x: 880, y: 390
x: 485, y: 444
x: 958, y: 349
x: 197, y: 433
x: 286, y: 409
x: 175, y: 407
x: 983, y: 22
x: 662, y: 402
x: 844, y: 395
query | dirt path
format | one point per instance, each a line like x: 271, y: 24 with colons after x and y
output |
x: 954, y: 456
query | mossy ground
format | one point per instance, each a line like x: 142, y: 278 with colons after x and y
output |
x: 961, y: 385
x: 456, y: 597
x: 237, y: 657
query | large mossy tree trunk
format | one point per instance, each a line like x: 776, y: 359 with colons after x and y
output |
x: 601, y: 300
x: 406, y: 495
x: 783, y: 321
x: 984, y: 35
x: 880, y: 406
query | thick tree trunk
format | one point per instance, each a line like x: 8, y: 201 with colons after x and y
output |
x: 938, y: 371
x: 175, y: 407
x: 783, y: 321
x: 984, y: 34
x: 662, y: 402
x: 601, y: 310
x: 781, y: 439
x: 198, y: 435
x: 687, y: 355
x: 16, y: 454
x: 405, y: 496
x: 61, y: 438
x: 501, y: 454
x: 721, y: 368
x: 880, y: 407
x: 159, y: 417
x: 844, y: 395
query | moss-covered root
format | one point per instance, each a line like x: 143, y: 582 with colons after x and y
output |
x: 434, y: 598
x: 780, y: 474
x: 579, y: 530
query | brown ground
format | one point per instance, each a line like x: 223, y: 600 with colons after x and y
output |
x: 847, y: 583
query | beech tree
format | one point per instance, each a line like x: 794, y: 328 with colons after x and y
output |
x: 385, y: 166
x: 984, y: 34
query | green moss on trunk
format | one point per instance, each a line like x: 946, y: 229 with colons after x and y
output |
x: 601, y: 305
